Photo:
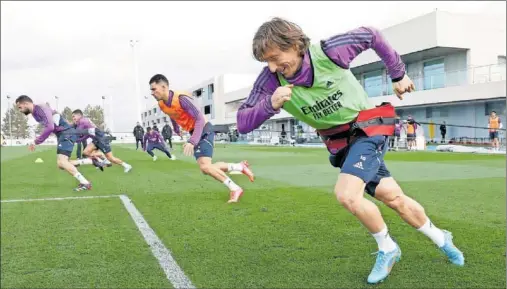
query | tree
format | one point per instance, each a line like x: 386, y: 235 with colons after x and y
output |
x: 67, y: 114
x: 20, y: 128
x: 39, y: 128
x: 95, y: 114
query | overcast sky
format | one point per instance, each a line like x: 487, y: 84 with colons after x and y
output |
x: 80, y: 51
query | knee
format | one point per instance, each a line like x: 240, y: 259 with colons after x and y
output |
x: 348, y: 201
x: 397, y: 203
x: 60, y: 164
x: 205, y: 169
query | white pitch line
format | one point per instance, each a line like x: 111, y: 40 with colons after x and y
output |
x: 58, y: 199
x: 174, y: 273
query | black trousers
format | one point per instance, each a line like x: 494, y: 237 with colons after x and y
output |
x: 80, y: 148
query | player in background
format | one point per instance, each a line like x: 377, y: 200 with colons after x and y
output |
x: 411, y: 133
x: 99, y: 141
x: 394, y: 140
x: 138, y: 134
x: 66, y: 136
x: 99, y: 160
x: 153, y: 140
x: 179, y: 107
x: 167, y: 133
x: 313, y: 83
x: 494, y: 124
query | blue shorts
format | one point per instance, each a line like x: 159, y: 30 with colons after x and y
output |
x: 493, y: 135
x: 158, y: 146
x: 101, y: 142
x: 205, y: 146
x: 411, y: 136
x: 364, y: 158
x: 65, y: 144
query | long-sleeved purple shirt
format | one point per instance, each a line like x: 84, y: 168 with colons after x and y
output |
x: 43, y: 114
x: 193, y: 111
x: 152, y: 137
x: 341, y: 49
x: 82, y: 124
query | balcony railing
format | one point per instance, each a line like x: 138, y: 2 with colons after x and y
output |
x: 471, y: 75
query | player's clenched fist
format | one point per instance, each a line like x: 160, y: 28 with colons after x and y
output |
x: 281, y: 95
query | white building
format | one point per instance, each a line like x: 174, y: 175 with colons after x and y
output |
x: 457, y: 63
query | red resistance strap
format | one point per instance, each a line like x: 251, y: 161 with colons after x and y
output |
x: 376, y: 121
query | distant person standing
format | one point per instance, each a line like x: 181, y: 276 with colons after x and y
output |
x: 395, y: 138
x: 411, y: 133
x: 443, y: 131
x: 155, y: 128
x: 167, y: 133
x: 494, y: 124
x: 139, y: 134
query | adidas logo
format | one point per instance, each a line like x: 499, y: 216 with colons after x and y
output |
x: 359, y: 165
x: 328, y: 84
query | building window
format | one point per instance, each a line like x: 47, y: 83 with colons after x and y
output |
x: 444, y: 111
x: 143, y: 124
x: 211, y: 88
x: 389, y: 85
x: 165, y: 119
x: 210, y: 91
x: 399, y: 113
x: 207, y: 109
x: 154, y: 110
x: 501, y: 59
x: 158, y: 120
x: 373, y: 83
x: 429, y: 112
x: 498, y: 106
x: 434, y: 74
x: 145, y: 114
x: 197, y: 93
x: 149, y: 112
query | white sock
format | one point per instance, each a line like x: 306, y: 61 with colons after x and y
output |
x: 235, y: 167
x: 125, y: 165
x: 384, y: 241
x: 81, y: 179
x: 231, y: 185
x: 86, y: 161
x: 435, y: 234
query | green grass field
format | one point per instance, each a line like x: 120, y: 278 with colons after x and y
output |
x: 288, y: 231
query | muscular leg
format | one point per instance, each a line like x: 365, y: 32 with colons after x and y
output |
x: 213, y: 170
x: 63, y: 162
x: 349, y: 191
x: 389, y: 192
x: 360, y: 168
x: 114, y: 159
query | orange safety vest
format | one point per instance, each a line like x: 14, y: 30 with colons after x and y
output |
x: 410, y: 129
x: 494, y: 124
x: 177, y: 113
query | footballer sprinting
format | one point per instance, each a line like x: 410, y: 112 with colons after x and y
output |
x: 66, y: 135
x: 153, y: 140
x: 179, y: 107
x: 313, y: 83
